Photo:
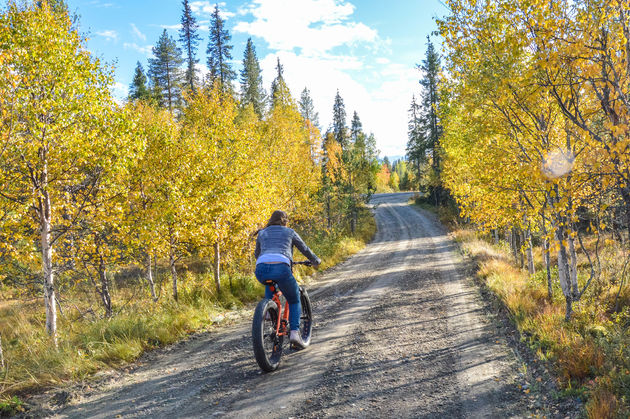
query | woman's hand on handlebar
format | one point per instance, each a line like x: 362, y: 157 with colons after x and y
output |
x: 307, y: 263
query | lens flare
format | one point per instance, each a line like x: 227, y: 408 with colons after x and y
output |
x: 558, y: 163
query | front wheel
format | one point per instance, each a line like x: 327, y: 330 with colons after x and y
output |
x: 267, y: 345
x: 306, y: 318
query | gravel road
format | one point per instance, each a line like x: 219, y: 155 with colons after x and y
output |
x: 399, y: 332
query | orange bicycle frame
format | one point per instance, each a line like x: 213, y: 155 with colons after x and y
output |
x: 282, y: 314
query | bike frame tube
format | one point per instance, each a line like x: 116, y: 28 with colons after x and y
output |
x: 282, y: 314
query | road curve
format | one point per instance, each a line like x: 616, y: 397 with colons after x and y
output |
x: 399, y: 331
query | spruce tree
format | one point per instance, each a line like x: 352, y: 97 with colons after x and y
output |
x: 356, y: 127
x: 251, y: 80
x: 387, y: 164
x: 307, y: 108
x: 339, y: 122
x: 416, y: 144
x: 138, y: 89
x: 165, y: 71
x: 280, y: 93
x: 190, y: 40
x: 424, y: 128
x: 430, y: 102
x: 219, y: 52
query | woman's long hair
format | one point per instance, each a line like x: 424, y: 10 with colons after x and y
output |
x: 278, y: 218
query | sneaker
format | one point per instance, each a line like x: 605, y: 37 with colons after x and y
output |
x: 296, y: 340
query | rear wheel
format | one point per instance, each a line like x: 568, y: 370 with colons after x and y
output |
x: 267, y: 345
x: 306, y: 318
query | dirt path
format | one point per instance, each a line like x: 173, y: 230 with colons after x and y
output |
x: 398, y: 333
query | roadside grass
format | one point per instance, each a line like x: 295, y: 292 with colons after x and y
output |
x: 591, y: 352
x: 88, y: 343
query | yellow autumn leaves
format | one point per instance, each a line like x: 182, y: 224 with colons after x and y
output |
x: 536, y: 114
x: 97, y: 184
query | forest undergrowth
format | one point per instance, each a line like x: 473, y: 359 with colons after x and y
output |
x: 589, y: 354
x: 89, y: 342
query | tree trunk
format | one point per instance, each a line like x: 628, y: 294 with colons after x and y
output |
x: 521, y: 243
x: 171, y: 260
x: 514, y: 244
x: 573, y: 268
x: 150, y: 277
x: 625, y: 195
x: 530, y: 253
x: 495, y: 234
x: 217, y: 267
x: 563, y: 270
x: 47, y: 268
x: 1, y: 355
x: 353, y: 221
x: 546, y: 257
x: 106, y: 299
x: 328, y: 220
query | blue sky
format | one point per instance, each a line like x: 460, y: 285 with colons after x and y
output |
x: 367, y: 49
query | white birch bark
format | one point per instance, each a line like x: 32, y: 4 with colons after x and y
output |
x: 217, y: 267
x: 171, y: 258
x: 47, y: 267
x: 573, y: 267
x: 530, y: 253
x: 150, y: 277
x: 563, y: 271
x: 1, y: 355
x: 104, y: 291
x: 547, y: 257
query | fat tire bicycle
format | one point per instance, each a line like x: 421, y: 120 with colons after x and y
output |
x: 270, y: 326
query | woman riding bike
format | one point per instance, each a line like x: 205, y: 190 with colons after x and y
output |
x: 274, y: 255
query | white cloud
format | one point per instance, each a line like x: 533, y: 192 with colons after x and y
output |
x: 206, y: 8
x: 136, y: 32
x: 99, y: 3
x: 305, y: 36
x: 171, y: 27
x: 314, y: 26
x: 146, y: 50
x: 110, y: 35
x: 382, y: 105
x: 120, y: 92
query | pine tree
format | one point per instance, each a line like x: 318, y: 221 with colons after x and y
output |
x: 430, y: 102
x: 339, y: 122
x: 356, y: 127
x: 190, y: 40
x: 307, y: 108
x: 219, y: 52
x: 424, y: 128
x: 387, y: 164
x: 138, y: 89
x: 280, y: 93
x: 251, y: 80
x: 416, y: 145
x: 165, y: 71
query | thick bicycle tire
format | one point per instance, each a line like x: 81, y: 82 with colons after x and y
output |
x: 267, y: 346
x: 306, y: 318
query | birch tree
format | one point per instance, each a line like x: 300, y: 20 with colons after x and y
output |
x: 57, y: 117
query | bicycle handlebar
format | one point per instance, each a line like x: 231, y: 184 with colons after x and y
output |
x: 304, y: 262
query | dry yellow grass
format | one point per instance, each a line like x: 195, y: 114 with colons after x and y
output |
x: 590, y: 353
x: 88, y: 342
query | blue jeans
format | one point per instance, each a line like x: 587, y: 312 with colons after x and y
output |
x: 281, y: 274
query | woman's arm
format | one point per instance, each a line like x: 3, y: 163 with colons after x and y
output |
x: 302, y: 247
